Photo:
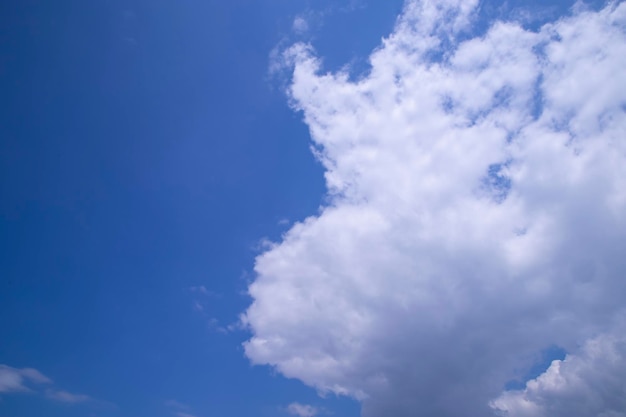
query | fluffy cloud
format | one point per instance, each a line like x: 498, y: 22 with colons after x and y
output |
x: 477, y: 191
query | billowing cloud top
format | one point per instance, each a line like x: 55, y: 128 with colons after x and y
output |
x: 477, y: 216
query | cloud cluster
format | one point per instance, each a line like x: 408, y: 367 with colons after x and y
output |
x: 476, y: 216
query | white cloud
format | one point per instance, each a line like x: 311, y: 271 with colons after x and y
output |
x: 302, y: 410
x: 66, y: 397
x: 477, y: 195
x: 16, y: 380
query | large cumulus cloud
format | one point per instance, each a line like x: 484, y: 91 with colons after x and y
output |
x: 476, y: 215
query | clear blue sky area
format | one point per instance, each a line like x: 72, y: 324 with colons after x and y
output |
x: 144, y: 150
x: 144, y: 154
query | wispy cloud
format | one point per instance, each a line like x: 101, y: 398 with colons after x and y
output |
x: 30, y: 380
x: 198, y: 307
x: 202, y: 290
x: 179, y: 409
x: 201, y: 303
x: 66, y: 397
x: 302, y: 410
x: 176, y: 404
x: 16, y: 380
x: 183, y: 414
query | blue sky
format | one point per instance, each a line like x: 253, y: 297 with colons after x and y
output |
x: 148, y: 152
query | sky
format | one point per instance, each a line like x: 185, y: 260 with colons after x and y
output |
x: 312, y: 208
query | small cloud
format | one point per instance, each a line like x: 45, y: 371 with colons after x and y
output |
x: 201, y: 304
x: 300, y: 25
x: 201, y: 289
x: 197, y: 306
x: 176, y: 404
x: 67, y: 397
x: 236, y: 326
x: 180, y: 409
x: 302, y: 410
x: 214, y: 324
x: 14, y: 380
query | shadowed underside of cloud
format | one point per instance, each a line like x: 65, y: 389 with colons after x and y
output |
x: 477, y: 192
x: 589, y: 383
